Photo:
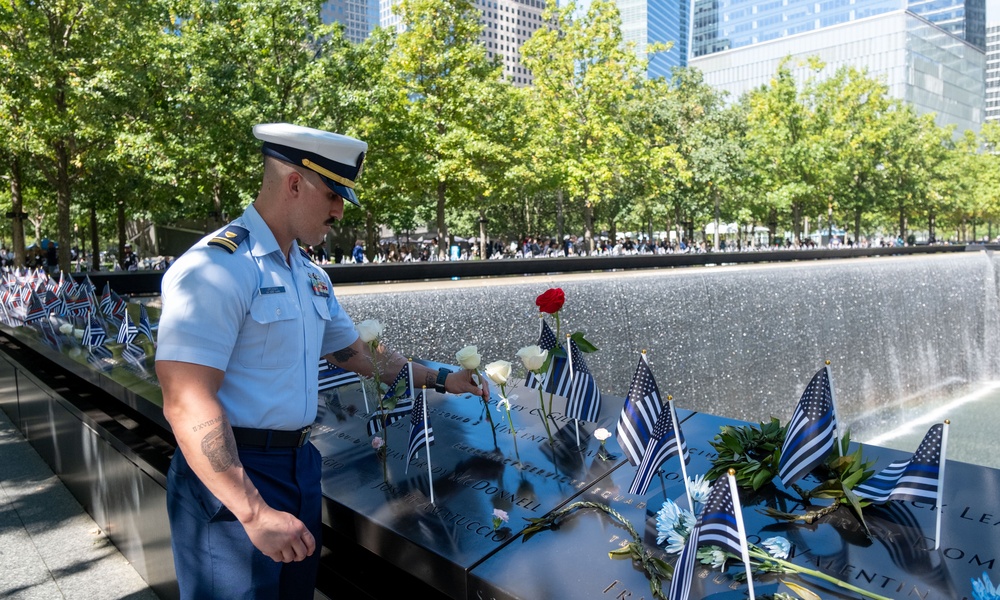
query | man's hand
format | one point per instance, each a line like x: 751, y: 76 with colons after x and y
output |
x: 280, y: 536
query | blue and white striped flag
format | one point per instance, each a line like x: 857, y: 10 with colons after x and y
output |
x: 811, y: 433
x: 94, y: 334
x: 639, y: 414
x: 135, y: 356
x: 556, y: 379
x: 128, y: 331
x: 144, y: 326
x: 583, y: 402
x: 421, y: 432
x: 916, y: 478
x: 404, y: 403
x: 332, y: 376
x: 719, y: 524
x: 666, y: 441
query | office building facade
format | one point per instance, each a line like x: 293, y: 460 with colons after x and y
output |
x: 933, y: 70
x: 720, y: 25
x: 357, y: 17
x: 507, y: 24
x: 645, y: 22
x: 993, y: 72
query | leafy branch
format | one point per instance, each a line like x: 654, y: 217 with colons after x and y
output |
x: 656, y: 569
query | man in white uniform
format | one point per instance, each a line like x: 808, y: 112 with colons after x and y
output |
x: 246, y: 316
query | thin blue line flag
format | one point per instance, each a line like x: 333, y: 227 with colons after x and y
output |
x: 916, y: 478
x: 810, y: 435
x: 639, y: 414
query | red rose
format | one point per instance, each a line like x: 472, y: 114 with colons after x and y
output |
x: 551, y: 300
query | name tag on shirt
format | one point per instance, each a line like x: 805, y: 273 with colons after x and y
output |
x: 273, y: 290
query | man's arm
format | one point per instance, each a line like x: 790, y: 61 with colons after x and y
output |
x: 358, y: 358
x: 204, y: 435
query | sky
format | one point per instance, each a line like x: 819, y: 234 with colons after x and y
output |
x: 992, y: 11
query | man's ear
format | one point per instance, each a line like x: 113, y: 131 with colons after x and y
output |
x: 294, y: 182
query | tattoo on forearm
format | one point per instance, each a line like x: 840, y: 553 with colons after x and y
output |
x: 430, y: 380
x: 201, y: 426
x: 344, y: 355
x: 219, y: 447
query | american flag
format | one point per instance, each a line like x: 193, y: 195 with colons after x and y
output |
x: 665, y: 443
x: 404, y: 403
x: 719, y: 524
x: 421, y: 432
x: 331, y: 376
x: 113, y: 306
x: 94, y: 334
x: 144, y: 327
x: 639, y: 414
x: 557, y: 378
x: 35, y: 310
x: 680, y: 583
x: 78, y: 303
x: 128, y: 331
x: 916, y: 478
x: 811, y: 433
x: 583, y: 402
x: 53, y: 303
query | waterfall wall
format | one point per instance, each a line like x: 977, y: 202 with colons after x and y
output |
x: 737, y: 341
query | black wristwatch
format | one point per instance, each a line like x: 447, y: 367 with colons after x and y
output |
x: 439, y: 384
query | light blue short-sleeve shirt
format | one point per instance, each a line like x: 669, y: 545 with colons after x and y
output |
x: 263, y: 321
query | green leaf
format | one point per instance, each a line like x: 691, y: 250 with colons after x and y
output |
x: 582, y: 342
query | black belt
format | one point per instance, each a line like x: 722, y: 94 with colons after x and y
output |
x: 271, y: 438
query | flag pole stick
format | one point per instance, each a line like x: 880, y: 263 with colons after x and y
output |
x: 680, y: 451
x: 365, y: 395
x: 738, y: 512
x: 833, y: 400
x: 940, y: 485
x: 427, y: 444
x: 569, y: 361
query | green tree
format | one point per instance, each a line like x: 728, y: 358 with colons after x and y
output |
x: 441, y: 66
x: 584, y: 75
x: 788, y: 144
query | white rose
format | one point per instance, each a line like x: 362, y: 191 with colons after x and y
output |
x: 601, y: 434
x: 369, y: 330
x: 498, y: 371
x: 533, y: 357
x: 468, y: 357
x: 78, y: 334
x: 66, y: 328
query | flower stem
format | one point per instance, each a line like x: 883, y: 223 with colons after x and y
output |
x: 544, y: 415
x: 510, y: 421
x: 760, y: 554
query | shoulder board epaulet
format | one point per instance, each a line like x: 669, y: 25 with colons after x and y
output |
x: 230, y: 238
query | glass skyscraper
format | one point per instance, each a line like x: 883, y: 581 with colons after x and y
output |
x: 726, y: 24
x: 645, y: 22
x: 931, y: 69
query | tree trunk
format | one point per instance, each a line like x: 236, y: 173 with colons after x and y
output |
x: 441, y: 225
x: 482, y: 232
x: 371, y: 236
x: 120, y: 226
x: 560, y: 215
x: 63, y: 201
x: 857, y: 225
x: 796, y: 222
x: 588, y: 225
x: 17, y: 210
x: 95, y: 247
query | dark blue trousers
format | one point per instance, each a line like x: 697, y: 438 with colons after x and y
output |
x: 213, y: 556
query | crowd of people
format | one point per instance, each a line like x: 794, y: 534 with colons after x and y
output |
x: 389, y: 251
